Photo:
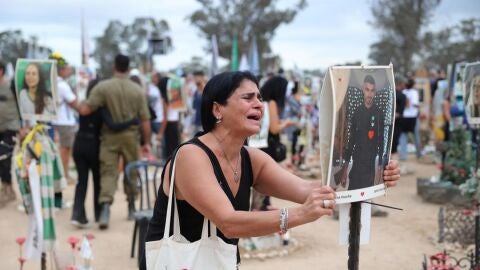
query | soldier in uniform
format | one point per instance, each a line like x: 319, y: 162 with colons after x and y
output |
x: 9, y: 125
x: 124, y: 100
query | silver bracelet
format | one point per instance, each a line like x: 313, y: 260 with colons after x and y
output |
x: 283, y: 220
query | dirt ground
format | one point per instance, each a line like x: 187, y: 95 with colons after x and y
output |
x: 398, y: 241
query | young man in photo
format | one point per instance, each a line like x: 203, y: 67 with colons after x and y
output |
x: 365, y: 143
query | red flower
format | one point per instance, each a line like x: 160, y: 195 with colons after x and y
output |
x: 71, y: 267
x: 461, y: 172
x: 440, y: 166
x: 439, y: 257
x: 90, y: 236
x: 73, y: 241
x: 20, y: 240
x: 22, y: 260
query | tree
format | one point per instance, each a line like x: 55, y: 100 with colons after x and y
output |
x: 247, y: 19
x: 196, y: 63
x: 455, y: 43
x: 131, y: 40
x: 13, y: 46
x: 400, y: 23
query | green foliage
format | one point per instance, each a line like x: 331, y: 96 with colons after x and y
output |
x: 471, y: 187
x: 458, y: 42
x: 459, y: 159
x: 248, y: 18
x: 13, y: 45
x: 128, y: 39
x: 400, y: 24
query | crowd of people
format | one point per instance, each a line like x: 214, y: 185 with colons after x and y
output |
x: 410, y: 115
x: 199, y: 123
x: 120, y: 113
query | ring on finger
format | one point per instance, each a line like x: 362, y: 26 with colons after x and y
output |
x: 326, y: 203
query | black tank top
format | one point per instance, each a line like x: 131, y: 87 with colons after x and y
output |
x: 191, y: 221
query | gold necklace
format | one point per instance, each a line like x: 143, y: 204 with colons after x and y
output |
x: 236, y: 175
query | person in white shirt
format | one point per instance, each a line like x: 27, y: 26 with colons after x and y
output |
x: 155, y: 101
x: 66, y: 123
x: 169, y: 130
x: 410, y: 116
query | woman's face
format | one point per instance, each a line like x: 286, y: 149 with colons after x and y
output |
x: 244, y: 109
x: 31, y: 76
x: 175, y: 94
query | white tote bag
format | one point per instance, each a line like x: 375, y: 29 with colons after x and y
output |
x: 176, y: 253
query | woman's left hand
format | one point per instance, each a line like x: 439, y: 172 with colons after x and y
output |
x: 391, y: 174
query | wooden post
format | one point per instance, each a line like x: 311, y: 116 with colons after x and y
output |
x: 354, y: 236
x: 44, y: 261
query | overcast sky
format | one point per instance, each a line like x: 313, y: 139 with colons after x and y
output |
x: 323, y: 34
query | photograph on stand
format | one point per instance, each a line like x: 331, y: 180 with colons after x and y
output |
x: 176, y: 94
x: 471, y: 92
x: 260, y: 140
x: 35, y: 84
x: 364, y: 101
x: 457, y: 98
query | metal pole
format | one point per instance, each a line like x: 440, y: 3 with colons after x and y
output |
x: 354, y: 236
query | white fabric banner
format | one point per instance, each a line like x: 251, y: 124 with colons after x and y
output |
x: 34, y: 243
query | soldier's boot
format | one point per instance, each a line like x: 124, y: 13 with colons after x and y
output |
x: 104, y: 216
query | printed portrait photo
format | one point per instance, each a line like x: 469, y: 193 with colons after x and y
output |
x: 260, y: 140
x: 471, y: 87
x: 35, y: 84
x: 176, y: 95
x: 365, y: 101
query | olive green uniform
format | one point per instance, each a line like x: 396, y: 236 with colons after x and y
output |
x: 124, y: 100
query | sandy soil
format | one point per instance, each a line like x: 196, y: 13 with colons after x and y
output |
x: 398, y: 241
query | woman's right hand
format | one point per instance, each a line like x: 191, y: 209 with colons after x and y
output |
x: 320, y: 202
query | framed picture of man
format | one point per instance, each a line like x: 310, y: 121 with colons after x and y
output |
x: 471, y: 92
x: 362, y: 128
x: 36, y: 84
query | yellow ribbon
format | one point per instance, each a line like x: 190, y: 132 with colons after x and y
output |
x: 37, y: 148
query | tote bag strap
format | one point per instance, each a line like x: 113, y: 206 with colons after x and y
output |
x: 176, y: 221
x: 213, y: 229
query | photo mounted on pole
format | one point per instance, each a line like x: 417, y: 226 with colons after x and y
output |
x: 356, y: 130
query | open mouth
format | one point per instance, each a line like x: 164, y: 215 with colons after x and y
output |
x: 255, y: 117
